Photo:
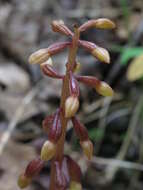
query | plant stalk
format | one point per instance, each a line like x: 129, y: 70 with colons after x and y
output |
x: 65, y: 93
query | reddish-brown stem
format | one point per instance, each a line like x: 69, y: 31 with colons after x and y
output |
x: 65, y: 93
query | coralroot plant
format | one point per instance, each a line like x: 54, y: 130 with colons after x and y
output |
x: 65, y: 172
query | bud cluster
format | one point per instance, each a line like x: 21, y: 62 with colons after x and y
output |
x: 65, y: 171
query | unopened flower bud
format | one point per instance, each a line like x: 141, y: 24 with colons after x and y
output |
x: 101, y: 54
x: 34, y: 167
x: 71, y: 106
x: 104, y: 89
x: 49, y: 71
x: 88, y: 80
x: 57, y: 47
x: 89, y: 46
x: 77, y: 67
x: 74, y: 170
x: 73, y: 85
x: 23, y: 181
x: 80, y: 129
x: 101, y: 23
x: 87, y: 147
x: 39, y: 56
x: 62, y: 177
x: 59, y: 26
x: 55, y: 130
x: 47, y: 122
x: 74, y: 185
x: 48, y: 150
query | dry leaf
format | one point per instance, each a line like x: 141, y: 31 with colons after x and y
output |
x: 135, y: 69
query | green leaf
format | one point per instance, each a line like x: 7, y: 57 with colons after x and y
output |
x: 130, y: 52
x: 95, y: 134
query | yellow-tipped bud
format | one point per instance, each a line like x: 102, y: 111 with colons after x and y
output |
x: 39, y: 56
x: 71, y: 106
x: 101, y: 54
x: 74, y: 185
x: 77, y: 67
x: 48, y: 150
x: 23, y: 181
x: 101, y: 23
x: 104, y: 23
x: 87, y: 147
x: 104, y: 89
x: 49, y: 62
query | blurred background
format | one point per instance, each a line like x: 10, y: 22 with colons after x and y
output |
x: 115, y: 124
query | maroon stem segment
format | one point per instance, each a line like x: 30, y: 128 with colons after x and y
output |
x: 65, y: 93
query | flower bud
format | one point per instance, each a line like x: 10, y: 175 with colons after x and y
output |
x: 74, y: 170
x: 23, y: 181
x: 49, y: 71
x: 74, y: 185
x: 73, y: 85
x: 71, y: 106
x: 101, y: 54
x: 101, y: 23
x: 104, y: 89
x: 77, y: 67
x: 48, y: 150
x: 87, y: 147
x: 89, y: 46
x: 39, y: 56
x: 47, y: 122
x: 59, y: 26
x: 80, y: 129
x: 88, y: 80
x: 55, y: 130
x: 57, y: 47
x: 61, y: 174
x: 34, y: 167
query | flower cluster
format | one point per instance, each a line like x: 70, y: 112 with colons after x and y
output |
x: 65, y: 171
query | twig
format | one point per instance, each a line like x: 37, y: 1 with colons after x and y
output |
x: 117, y: 163
x: 90, y: 108
x: 16, y: 117
x: 110, y: 171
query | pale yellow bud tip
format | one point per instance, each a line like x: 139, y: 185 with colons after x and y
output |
x: 104, y: 89
x: 104, y: 23
x: 48, y: 150
x: 49, y: 62
x: 75, y: 186
x: 87, y: 147
x: 39, y: 56
x: 71, y: 106
x: 23, y: 181
x: 101, y: 54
